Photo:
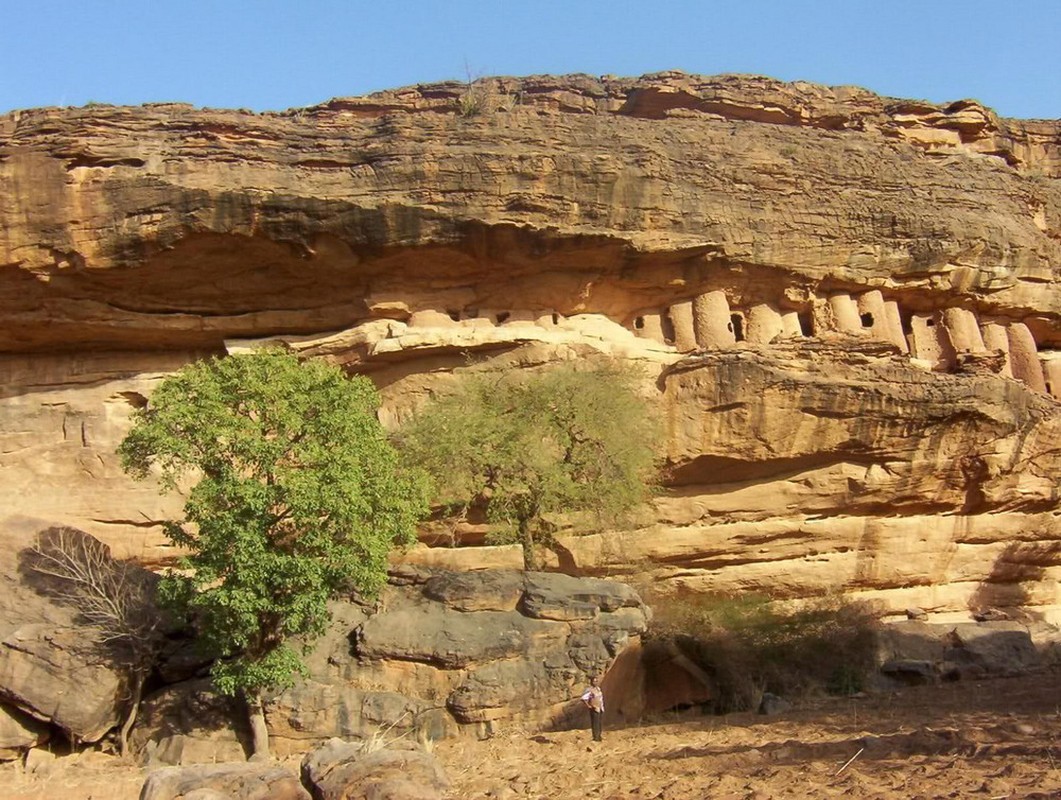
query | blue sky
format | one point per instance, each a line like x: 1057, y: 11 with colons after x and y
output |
x: 271, y: 54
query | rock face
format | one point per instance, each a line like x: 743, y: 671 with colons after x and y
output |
x: 847, y: 307
x: 450, y: 650
x: 18, y: 732
x: 441, y: 654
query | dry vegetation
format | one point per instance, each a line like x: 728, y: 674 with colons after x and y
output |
x: 750, y: 645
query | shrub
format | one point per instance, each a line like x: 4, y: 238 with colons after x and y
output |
x: 752, y: 645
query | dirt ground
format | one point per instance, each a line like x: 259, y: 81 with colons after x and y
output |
x: 988, y: 739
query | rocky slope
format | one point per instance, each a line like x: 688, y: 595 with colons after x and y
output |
x: 847, y: 306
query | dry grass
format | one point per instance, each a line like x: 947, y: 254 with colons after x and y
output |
x: 751, y: 645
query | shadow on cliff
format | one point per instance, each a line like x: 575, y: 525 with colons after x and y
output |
x: 1016, y: 571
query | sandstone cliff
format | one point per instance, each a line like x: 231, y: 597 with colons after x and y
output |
x: 848, y: 306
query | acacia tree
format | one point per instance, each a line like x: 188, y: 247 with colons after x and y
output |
x: 521, y: 447
x: 298, y: 497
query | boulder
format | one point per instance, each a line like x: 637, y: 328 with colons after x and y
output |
x: 435, y: 634
x: 556, y: 596
x: 353, y: 771
x: 231, y: 781
x: 911, y: 670
x: 772, y: 704
x: 53, y: 666
x: 190, y: 723
x: 919, y: 651
x: 416, y: 666
x: 60, y: 674
x: 483, y: 590
x: 995, y: 648
x: 18, y: 732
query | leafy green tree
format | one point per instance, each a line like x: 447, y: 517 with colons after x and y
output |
x: 298, y: 497
x: 521, y: 447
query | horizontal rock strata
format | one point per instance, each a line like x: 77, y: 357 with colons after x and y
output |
x: 847, y: 307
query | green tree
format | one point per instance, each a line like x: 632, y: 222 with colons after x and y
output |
x: 298, y: 497
x: 522, y: 447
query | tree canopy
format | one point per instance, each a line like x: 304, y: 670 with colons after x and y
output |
x: 524, y: 446
x: 298, y: 497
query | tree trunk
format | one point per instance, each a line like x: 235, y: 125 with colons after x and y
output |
x: 526, y: 539
x: 130, y: 718
x: 259, y: 732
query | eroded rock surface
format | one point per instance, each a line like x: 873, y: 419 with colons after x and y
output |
x: 53, y: 667
x: 399, y: 770
x: 418, y: 668
x: 19, y: 732
x: 234, y: 781
x: 847, y: 306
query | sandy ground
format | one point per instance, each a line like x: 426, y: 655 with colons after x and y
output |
x: 988, y: 739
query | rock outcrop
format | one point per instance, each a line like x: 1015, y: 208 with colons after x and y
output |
x: 54, y: 669
x: 848, y: 306
x: 439, y: 655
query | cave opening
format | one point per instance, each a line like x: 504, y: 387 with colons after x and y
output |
x: 639, y: 323
x: 502, y: 317
x: 907, y: 322
x: 668, y: 329
x: 453, y: 314
x: 806, y: 323
x: 867, y: 319
x: 736, y: 324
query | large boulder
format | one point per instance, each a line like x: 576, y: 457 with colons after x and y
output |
x: 52, y: 665
x: 232, y: 781
x: 190, y: 723
x: 61, y: 674
x: 354, y: 771
x: 915, y: 651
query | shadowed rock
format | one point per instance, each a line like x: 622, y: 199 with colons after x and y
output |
x: 352, y: 771
x: 233, y: 781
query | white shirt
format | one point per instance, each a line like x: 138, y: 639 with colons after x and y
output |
x: 594, y: 698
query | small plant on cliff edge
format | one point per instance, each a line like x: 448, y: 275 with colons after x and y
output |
x: 474, y: 99
x: 520, y: 447
x: 298, y: 498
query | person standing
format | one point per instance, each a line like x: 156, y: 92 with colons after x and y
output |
x: 593, y: 697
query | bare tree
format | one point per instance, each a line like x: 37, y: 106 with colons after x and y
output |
x: 116, y: 598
